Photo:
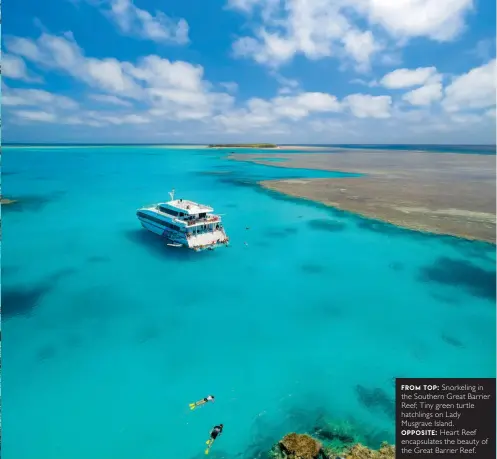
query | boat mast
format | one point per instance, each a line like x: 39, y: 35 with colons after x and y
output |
x: 171, y: 193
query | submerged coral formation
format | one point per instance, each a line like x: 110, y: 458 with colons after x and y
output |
x: 6, y: 201
x: 337, y: 436
x: 298, y: 446
x: 303, y: 446
x: 359, y: 451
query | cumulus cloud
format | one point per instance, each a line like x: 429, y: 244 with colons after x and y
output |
x: 367, y: 106
x: 34, y: 98
x: 171, y: 89
x: 360, y: 46
x: 441, y: 20
x: 473, y: 90
x: 63, y: 53
x: 426, y: 95
x: 153, y: 94
x: 260, y: 113
x: 35, y: 115
x: 313, y: 28
x: 14, y: 67
x: 324, y: 28
x: 136, y: 22
x: 406, y: 78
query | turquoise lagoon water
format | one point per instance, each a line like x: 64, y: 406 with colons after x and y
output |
x: 108, y: 334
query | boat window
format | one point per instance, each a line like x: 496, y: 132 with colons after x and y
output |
x: 168, y: 211
x: 151, y: 218
x: 158, y: 221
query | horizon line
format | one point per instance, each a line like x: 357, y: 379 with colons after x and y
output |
x: 242, y: 143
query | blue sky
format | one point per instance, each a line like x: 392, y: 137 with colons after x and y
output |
x: 287, y: 71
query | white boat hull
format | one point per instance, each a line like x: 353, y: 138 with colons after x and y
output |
x: 200, y: 241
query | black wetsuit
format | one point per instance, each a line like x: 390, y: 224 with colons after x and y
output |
x: 217, y: 430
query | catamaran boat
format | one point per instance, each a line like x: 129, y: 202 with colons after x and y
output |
x: 184, y: 224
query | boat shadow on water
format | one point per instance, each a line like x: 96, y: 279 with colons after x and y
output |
x: 158, y: 247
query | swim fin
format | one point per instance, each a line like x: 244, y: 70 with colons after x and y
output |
x: 209, y: 444
x: 192, y: 406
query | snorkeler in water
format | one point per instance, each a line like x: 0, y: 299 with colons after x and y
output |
x: 209, y: 398
x: 215, y: 432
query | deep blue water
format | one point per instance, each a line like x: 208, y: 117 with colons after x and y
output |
x: 108, y: 334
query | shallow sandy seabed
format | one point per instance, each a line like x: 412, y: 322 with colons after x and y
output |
x: 442, y: 193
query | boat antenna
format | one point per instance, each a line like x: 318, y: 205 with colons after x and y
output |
x: 171, y: 193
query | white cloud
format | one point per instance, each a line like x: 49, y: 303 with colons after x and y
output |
x: 110, y: 99
x: 117, y: 120
x: 24, y: 47
x: 473, y: 90
x: 324, y: 28
x: 406, y: 78
x: 271, y: 49
x: 313, y: 28
x: 425, y: 95
x: 367, y: 106
x: 63, y: 54
x: 176, y: 90
x: 243, y: 5
x: 134, y: 21
x: 360, y: 46
x: 14, y: 67
x: 85, y: 118
x: 38, y: 116
x: 260, y: 113
x: 34, y: 98
x: 440, y: 20
x: 162, y: 73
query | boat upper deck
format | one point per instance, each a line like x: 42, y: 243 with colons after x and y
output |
x: 188, y: 207
x: 182, y: 218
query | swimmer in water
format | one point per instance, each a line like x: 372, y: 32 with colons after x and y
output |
x: 209, y: 398
x: 215, y: 432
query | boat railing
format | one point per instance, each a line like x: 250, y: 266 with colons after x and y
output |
x: 199, y: 220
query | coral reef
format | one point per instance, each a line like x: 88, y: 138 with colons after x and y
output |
x: 359, y: 451
x: 298, y: 446
x: 336, y: 436
x: 5, y: 201
x: 303, y: 446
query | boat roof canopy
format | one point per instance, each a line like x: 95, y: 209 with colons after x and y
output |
x: 188, y: 207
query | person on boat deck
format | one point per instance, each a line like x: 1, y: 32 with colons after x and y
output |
x: 216, y: 431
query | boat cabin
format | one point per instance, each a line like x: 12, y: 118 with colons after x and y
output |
x: 194, y: 218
